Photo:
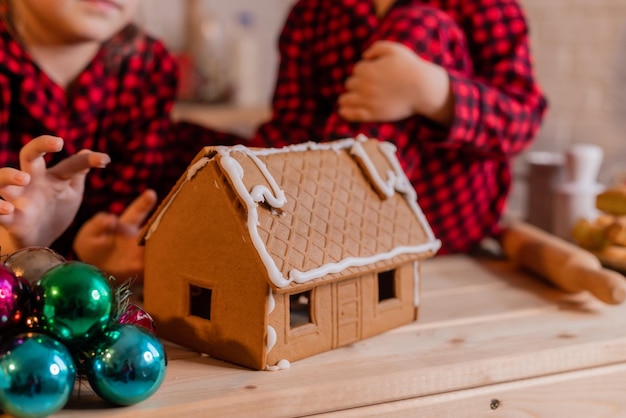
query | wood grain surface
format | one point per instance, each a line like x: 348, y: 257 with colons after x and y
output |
x: 491, y: 341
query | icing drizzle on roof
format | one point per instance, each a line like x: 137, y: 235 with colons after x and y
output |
x: 251, y: 199
x: 276, y: 198
x: 397, y: 179
x: 387, y: 188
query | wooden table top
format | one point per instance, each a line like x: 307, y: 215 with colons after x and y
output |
x: 490, y: 341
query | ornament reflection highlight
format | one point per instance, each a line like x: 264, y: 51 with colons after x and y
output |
x: 129, y: 365
x: 37, y: 375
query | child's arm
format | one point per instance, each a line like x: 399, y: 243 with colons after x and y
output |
x: 495, y: 111
x: 392, y: 83
x: 39, y: 203
x: 110, y: 242
x: 148, y: 161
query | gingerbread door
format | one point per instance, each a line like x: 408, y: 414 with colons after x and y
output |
x: 348, y: 304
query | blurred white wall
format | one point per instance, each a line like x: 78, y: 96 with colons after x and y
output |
x: 579, y: 48
x: 580, y: 55
x: 166, y: 20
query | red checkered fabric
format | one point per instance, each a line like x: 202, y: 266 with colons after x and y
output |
x: 119, y: 105
x: 461, y: 174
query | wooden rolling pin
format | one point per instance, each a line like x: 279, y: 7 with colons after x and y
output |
x: 566, y: 265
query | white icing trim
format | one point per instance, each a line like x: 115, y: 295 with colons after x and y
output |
x: 276, y: 198
x: 403, y: 185
x: 271, y: 338
x: 281, y: 365
x: 271, y: 302
x: 191, y: 173
x: 398, y: 181
x: 303, y: 277
x: 387, y: 188
x: 260, y: 193
x: 417, y: 277
x: 199, y: 165
x: 338, y: 145
x: 235, y: 172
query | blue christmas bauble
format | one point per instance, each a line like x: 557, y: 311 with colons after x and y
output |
x: 128, y: 366
x: 37, y: 375
x: 74, y: 302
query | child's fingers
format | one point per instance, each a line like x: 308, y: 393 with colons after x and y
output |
x: 349, y: 99
x: 352, y: 108
x: 355, y: 114
x: 378, y: 49
x: 12, y: 182
x: 100, y: 226
x: 137, y: 212
x: 352, y: 83
x: 13, y: 177
x: 6, y: 208
x: 97, y: 159
x: 95, y: 237
x: 79, y: 164
x: 31, y: 155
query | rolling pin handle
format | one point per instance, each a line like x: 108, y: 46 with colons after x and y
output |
x: 606, y: 285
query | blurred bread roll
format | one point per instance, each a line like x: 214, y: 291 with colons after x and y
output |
x: 616, y: 231
x: 612, y: 200
x: 591, y: 235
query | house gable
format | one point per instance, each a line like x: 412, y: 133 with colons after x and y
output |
x: 201, y: 245
x: 314, y: 211
x: 330, y: 220
x: 319, y: 217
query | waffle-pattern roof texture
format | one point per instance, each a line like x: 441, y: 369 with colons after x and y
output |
x: 333, y: 215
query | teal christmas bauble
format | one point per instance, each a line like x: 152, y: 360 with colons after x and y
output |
x: 74, y: 302
x: 129, y: 365
x: 37, y: 375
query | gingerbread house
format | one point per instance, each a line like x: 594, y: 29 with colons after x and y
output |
x: 265, y: 256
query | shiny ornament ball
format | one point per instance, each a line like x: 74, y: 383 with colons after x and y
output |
x: 134, y: 315
x: 37, y: 376
x: 74, y: 302
x: 32, y: 262
x: 14, y: 297
x: 128, y: 366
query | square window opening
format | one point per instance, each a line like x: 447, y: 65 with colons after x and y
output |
x: 386, y: 285
x: 300, y: 309
x: 200, y: 301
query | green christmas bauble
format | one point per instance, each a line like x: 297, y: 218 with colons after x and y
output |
x: 128, y: 366
x: 74, y: 302
x: 37, y: 376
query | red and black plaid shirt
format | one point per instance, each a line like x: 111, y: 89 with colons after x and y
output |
x: 119, y: 105
x: 461, y: 174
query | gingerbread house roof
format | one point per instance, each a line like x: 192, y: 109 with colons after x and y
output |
x: 320, y: 211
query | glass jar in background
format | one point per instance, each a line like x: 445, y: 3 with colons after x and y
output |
x: 245, y: 61
x: 205, y: 65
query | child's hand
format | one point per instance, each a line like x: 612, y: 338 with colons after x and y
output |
x: 392, y: 82
x: 40, y: 202
x: 110, y: 242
